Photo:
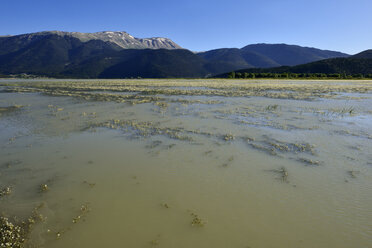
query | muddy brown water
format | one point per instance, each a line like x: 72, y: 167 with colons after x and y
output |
x: 188, y: 163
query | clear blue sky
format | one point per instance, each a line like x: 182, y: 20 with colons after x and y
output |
x: 343, y: 25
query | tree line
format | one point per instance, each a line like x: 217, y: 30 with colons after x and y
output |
x: 290, y: 75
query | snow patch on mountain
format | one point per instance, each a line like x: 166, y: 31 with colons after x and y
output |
x: 120, y: 38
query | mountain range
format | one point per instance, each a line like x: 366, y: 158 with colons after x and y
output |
x: 119, y: 55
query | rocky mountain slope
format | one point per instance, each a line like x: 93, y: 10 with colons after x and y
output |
x: 121, y: 39
x: 119, y: 55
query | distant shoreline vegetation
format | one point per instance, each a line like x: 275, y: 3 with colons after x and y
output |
x: 285, y: 75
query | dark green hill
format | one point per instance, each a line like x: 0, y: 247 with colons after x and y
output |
x: 224, y: 60
x: 364, y: 55
x: 259, y: 60
x: 51, y: 54
x: 348, y: 66
x: 9, y: 44
x: 337, y: 67
x: 263, y: 56
x: 160, y: 63
x: 290, y: 55
x: 227, y: 59
x: 45, y: 55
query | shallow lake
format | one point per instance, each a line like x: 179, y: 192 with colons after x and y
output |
x: 186, y: 163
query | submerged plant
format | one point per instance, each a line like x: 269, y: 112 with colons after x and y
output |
x: 283, y: 173
x: 5, y: 110
x: 272, y: 107
x: 89, y: 184
x: 310, y: 161
x: 162, y: 105
x: 15, y: 234
x: 165, y: 205
x: 196, y: 220
x: 5, y: 191
x: 353, y: 173
x: 43, y: 187
x: 11, y: 235
x: 228, y: 137
x: 154, y: 242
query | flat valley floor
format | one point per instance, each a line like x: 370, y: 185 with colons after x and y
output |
x: 186, y: 163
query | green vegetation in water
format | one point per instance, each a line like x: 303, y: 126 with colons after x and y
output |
x: 11, y: 235
x: 276, y: 147
x: 6, y: 110
x: 147, y: 129
x: 349, y: 110
x: 353, y: 173
x: 196, y: 220
x: 166, y: 205
x: 162, y: 105
x: 107, y: 91
x: 228, y: 137
x: 44, y: 188
x: 155, y: 242
x: 228, y: 162
x: 208, y: 142
x: 283, y: 174
x: 5, y: 191
x: 12, y: 163
x: 15, y: 233
x: 89, y: 183
x: 307, y: 161
x: 272, y: 107
x: 84, y: 209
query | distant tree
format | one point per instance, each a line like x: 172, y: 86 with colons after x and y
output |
x: 293, y: 75
x: 334, y: 75
x: 231, y: 74
x: 284, y: 75
x: 359, y: 75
